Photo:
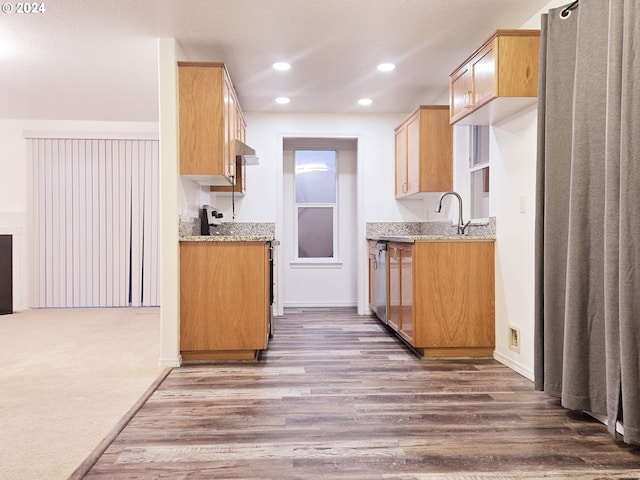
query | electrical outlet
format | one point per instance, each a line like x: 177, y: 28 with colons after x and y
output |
x: 514, y: 338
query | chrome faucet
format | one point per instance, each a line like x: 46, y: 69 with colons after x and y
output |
x: 461, y: 225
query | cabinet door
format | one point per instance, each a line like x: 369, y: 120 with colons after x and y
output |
x: 413, y: 156
x: 201, y: 120
x: 456, y: 303
x: 394, y: 314
x: 483, y: 68
x: 460, y: 93
x: 401, y: 160
x: 224, y: 296
x: 406, y: 293
x: 424, y: 152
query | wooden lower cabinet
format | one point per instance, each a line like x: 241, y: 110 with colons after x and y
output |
x: 441, y: 296
x: 224, y: 299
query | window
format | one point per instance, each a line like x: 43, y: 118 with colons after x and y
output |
x: 479, y: 170
x: 315, y: 190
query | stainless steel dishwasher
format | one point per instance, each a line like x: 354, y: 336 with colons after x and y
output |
x: 380, y: 281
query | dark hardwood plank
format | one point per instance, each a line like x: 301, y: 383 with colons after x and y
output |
x: 337, y: 397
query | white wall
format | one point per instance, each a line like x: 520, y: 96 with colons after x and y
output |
x: 171, y: 200
x: 375, y: 151
x: 16, y: 188
x: 512, y: 202
x: 513, y: 181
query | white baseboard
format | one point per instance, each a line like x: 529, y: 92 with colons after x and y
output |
x: 170, y: 362
x: 529, y: 374
x: 318, y: 304
x: 603, y: 419
x: 515, y: 366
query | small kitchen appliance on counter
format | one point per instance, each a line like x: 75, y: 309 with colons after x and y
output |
x: 210, y: 217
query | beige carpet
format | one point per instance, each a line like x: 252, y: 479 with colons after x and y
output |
x: 67, y: 377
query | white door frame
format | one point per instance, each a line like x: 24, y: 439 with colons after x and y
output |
x: 360, y: 223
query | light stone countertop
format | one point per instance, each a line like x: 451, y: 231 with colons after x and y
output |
x: 480, y: 230
x: 227, y: 232
x: 432, y: 238
x: 226, y: 238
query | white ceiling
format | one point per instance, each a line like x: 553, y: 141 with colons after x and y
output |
x: 97, y: 59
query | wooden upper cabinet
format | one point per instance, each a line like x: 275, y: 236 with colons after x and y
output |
x: 424, y: 152
x: 497, y: 80
x: 208, y: 119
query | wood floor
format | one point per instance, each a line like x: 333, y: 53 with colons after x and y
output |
x: 337, y: 397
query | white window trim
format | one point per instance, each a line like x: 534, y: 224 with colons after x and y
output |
x: 472, y: 168
x: 317, y: 262
x: 472, y: 144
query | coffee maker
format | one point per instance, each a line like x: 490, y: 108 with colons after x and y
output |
x: 209, y: 217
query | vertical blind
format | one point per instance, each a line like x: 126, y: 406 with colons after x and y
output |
x: 95, y: 222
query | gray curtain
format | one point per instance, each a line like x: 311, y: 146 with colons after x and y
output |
x: 588, y: 211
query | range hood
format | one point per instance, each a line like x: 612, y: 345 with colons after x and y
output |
x: 246, y: 154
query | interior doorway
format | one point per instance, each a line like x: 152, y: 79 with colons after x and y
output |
x: 319, y: 243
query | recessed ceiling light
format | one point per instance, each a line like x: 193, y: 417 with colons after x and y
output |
x: 386, y: 67
x: 365, y: 101
x: 282, y: 66
x: 282, y: 100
